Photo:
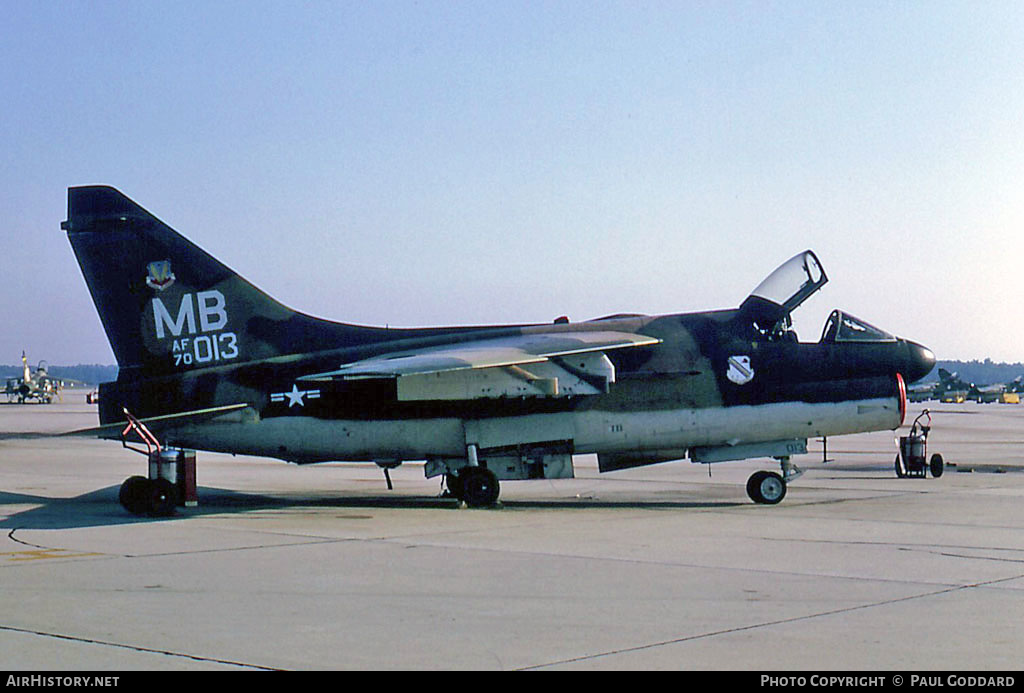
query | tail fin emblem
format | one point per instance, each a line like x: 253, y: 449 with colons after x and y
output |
x: 160, y: 275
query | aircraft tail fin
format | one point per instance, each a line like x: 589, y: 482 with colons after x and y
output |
x: 168, y: 306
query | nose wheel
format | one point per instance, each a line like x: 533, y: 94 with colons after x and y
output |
x: 769, y: 488
x: 766, y: 487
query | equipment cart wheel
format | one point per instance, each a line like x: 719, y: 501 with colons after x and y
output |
x: 766, y: 487
x: 936, y: 465
x: 163, y: 498
x: 134, y: 495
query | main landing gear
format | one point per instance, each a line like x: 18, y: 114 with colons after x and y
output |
x: 769, y: 488
x: 476, y: 485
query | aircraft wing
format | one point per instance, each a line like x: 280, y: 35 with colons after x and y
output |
x: 538, y: 365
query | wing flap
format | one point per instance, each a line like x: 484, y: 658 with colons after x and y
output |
x: 487, y: 353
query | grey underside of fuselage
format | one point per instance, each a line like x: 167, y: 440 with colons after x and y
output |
x: 308, y: 439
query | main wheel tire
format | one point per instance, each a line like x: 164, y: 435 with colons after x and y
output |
x: 134, y: 495
x: 480, y: 487
x: 163, y: 498
x: 767, y: 488
x: 936, y: 465
x: 900, y: 472
x: 453, y: 482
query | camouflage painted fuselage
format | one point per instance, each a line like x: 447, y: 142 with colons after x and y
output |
x: 192, y: 337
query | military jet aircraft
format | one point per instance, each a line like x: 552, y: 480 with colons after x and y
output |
x: 207, y: 361
x: 986, y: 393
x: 38, y: 385
x: 952, y: 388
x: 996, y: 392
x: 921, y: 392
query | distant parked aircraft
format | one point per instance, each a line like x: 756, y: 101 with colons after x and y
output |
x: 38, y: 385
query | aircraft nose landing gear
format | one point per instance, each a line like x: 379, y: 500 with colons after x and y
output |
x: 769, y: 488
x: 766, y: 487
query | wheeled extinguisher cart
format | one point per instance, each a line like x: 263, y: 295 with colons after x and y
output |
x: 913, y: 451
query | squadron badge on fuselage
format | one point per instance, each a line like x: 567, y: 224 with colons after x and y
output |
x: 740, y: 371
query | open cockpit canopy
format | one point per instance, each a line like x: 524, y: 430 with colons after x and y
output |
x: 793, y: 282
x: 782, y: 291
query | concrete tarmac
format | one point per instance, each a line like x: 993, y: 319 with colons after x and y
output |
x: 663, y: 567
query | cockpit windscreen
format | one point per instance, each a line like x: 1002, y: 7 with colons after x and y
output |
x: 843, y: 327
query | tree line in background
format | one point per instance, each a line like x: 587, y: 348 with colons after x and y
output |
x: 89, y: 374
x: 978, y: 372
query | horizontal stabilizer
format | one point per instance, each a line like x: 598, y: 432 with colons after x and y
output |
x: 113, y: 431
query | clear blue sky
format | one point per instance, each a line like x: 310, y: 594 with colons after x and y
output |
x: 488, y: 162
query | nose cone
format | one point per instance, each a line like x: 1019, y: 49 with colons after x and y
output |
x: 919, y: 361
